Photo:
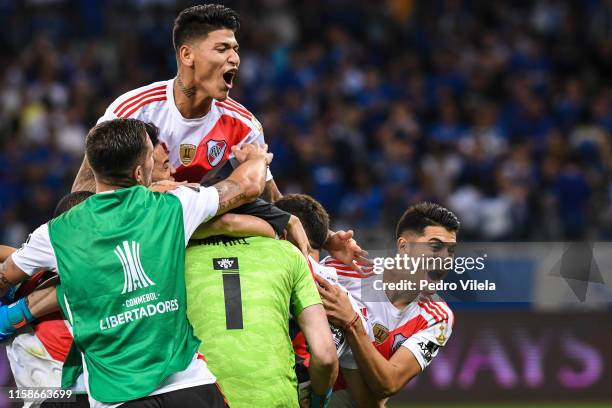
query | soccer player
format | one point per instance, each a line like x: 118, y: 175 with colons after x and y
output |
x: 199, y: 124
x: 51, y: 339
x: 111, y: 293
x: 240, y: 294
x: 406, y: 329
x: 37, y: 356
x: 316, y: 223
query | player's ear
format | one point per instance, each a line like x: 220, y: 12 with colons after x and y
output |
x: 401, y: 244
x: 185, y: 55
x: 138, y: 175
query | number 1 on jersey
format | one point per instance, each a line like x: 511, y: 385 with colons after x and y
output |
x: 233, y: 301
x: 231, y: 291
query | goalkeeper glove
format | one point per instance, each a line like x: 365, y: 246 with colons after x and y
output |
x: 320, y: 401
x: 13, y: 317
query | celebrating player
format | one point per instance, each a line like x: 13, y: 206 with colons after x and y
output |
x: 37, y: 356
x: 106, y: 317
x: 316, y: 223
x: 406, y: 328
x: 240, y: 295
x: 199, y: 124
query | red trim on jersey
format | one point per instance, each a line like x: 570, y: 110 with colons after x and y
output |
x: 233, y: 109
x: 157, y: 88
x: 143, y: 103
x: 354, y: 275
x: 55, y: 336
x: 200, y: 356
x: 229, y: 129
x: 30, y: 285
x: 412, y: 326
x: 312, y: 272
x: 235, y: 102
x: 342, y: 266
x: 120, y: 112
x: 442, y: 309
x: 436, y: 315
x: 439, y: 309
x: 231, y: 102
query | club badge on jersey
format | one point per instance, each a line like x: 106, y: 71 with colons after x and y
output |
x: 215, y: 151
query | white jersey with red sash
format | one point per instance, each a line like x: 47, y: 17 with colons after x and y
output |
x: 423, y: 327
x: 195, y: 146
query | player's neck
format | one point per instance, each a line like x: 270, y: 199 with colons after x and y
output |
x: 103, y: 186
x: 190, y: 102
x: 398, y: 298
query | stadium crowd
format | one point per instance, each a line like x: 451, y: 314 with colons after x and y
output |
x: 501, y: 111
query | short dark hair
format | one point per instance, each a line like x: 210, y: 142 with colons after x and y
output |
x: 70, y: 200
x: 113, y: 148
x: 312, y: 215
x: 153, y: 132
x: 422, y: 215
x: 198, y: 21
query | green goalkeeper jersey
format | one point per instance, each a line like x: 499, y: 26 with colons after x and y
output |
x: 240, y: 294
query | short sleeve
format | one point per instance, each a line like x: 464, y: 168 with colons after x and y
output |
x: 199, y: 204
x: 108, y: 115
x: 37, y: 252
x: 304, y: 292
x: 426, y: 343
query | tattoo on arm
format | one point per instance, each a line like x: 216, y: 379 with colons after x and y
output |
x: 188, y: 92
x: 230, y: 195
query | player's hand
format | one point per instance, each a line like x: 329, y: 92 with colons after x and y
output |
x: 297, y: 236
x: 345, y: 249
x: 164, y: 186
x: 336, y: 302
x: 250, y: 151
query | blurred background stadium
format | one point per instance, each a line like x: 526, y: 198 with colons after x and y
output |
x: 501, y: 111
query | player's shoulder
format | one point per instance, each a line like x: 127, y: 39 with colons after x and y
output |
x: 326, y: 272
x: 435, y: 310
x: 285, y: 247
x: 131, y: 103
x: 236, y: 110
x: 346, y: 272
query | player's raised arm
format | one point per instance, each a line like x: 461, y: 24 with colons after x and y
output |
x: 5, y: 252
x: 247, y: 181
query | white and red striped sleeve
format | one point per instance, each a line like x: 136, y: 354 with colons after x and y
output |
x: 256, y: 135
x: 426, y: 343
x: 131, y: 104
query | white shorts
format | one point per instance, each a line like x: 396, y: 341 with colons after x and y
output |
x: 31, y: 364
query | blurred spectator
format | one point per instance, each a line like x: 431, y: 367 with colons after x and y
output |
x: 495, y: 109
